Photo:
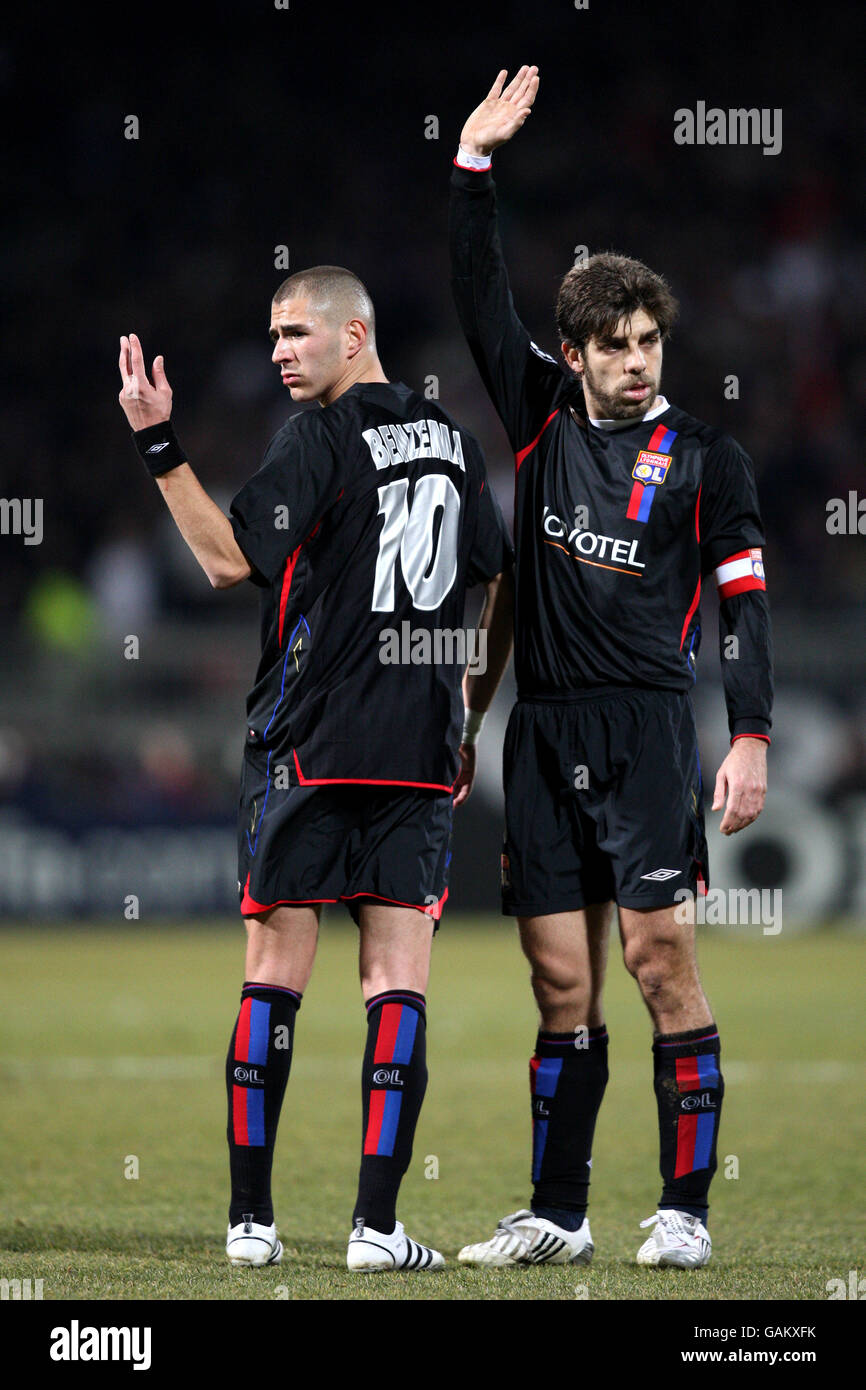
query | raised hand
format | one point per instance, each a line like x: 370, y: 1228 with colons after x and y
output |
x: 143, y: 404
x: 501, y: 113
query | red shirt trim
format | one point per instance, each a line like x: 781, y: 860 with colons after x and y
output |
x: 519, y: 457
x: 697, y: 598
x: 365, y: 781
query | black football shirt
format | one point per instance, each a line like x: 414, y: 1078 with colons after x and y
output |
x: 614, y: 529
x: 365, y: 525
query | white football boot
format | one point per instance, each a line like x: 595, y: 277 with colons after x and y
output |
x: 370, y: 1250
x: 527, y: 1239
x: 248, y: 1243
x: 678, y: 1239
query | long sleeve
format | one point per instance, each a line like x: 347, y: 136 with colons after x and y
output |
x: 301, y: 476
x: 747, y: 662
x: 731, y: 548
x: 524, y: 383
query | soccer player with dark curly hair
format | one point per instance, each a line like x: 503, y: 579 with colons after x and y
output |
x: 623, y: 503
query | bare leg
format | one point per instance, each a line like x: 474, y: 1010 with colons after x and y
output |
x: 281, y: 946
x: 567, y: 952
x: 660, y: 953
x: 394, y: 949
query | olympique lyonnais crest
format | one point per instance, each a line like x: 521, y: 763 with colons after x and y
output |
x: 649, y: 472
x: 651, y: 468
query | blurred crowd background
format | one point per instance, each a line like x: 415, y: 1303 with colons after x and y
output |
x: 262, y: 128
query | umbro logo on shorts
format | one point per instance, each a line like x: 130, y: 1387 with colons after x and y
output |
x: 659, y: 875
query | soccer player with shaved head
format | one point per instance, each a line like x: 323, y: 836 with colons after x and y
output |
x: 624, y: 503
x: 370, y: 514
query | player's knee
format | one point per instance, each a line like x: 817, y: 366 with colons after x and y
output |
x: 665, y: 972
x: 556, y: 983
x: 384, y: 976
x: 651, y: 963
x: 656, y: 987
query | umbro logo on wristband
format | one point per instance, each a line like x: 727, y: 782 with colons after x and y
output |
x: 158, y: 445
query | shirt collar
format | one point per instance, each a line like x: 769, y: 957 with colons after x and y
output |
x: 659, y: 408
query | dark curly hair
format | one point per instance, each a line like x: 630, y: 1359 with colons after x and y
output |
x: 596, y: 293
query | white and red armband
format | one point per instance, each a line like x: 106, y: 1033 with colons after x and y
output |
x: 740, y: 572
x: 745, y: 644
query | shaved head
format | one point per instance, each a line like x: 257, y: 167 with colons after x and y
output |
x: 333, y: 292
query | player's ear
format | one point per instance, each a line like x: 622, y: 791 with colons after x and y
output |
x: 356, y: 336
x: 574, y: 358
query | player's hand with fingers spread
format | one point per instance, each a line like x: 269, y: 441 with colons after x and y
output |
x: 501, y: 113
x: 144, y: 403
x: 742, y: 778
x: 466, y: 775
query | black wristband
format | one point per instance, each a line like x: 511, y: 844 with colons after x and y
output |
x: 159, y: 447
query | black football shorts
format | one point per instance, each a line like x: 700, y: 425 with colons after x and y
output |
x: 339, y: 843
x: 603, y: 801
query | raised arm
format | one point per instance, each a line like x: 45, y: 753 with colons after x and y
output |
x: 206, y: 530
x: 524, y: 383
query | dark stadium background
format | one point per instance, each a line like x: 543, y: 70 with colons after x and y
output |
x: 306, y: 127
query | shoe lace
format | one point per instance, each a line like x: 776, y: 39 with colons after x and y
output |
x: 508, y: 1227
x: 672, y: 1222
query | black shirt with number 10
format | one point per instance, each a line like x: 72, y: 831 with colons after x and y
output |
x: 365, y: 525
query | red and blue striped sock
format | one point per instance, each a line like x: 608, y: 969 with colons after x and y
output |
x: 689, y: 1090
x: 393, y: 1083
x: 257, y: 1069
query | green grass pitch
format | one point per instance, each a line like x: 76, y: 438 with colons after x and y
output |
x: 113, y: 1043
